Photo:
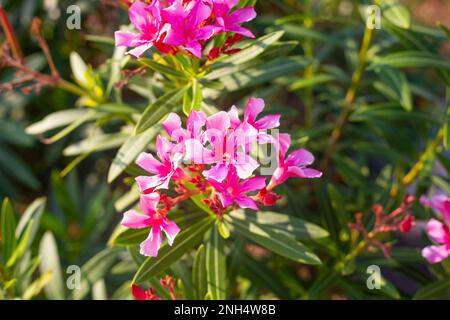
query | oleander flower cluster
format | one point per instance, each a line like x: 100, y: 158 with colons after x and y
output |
x: 212, y: 157
x: 437, y: 231
x: 174, y: 25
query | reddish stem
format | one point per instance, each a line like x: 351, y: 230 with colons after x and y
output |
x: 10, y: 34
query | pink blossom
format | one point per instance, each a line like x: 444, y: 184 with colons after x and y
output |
x: 186, y: 25
x: 440, y: 203
x: 225, y: 151
x: 228, y: 21
x: 295, y: 165
x: 253, y: 108
x: 147, y: 20
x: 165, y: 170
x: 151, y: 218
x: 440, y: 234
x: 232, y: 191
x: 194, y: 127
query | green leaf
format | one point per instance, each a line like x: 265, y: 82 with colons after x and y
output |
x: 96, y: 143
x: 254, y: 49
x: 163, y: 69
x: 50, y: 263
x: 167, y: 255
x: 313, y: 81
x: 275, y: 240
x: 412, y: 59
x: 301, y: 229
x: 199, y: 273
x: 159, y: 109
x: 56, y: 120
x: 395, y: 86
x: 269, y: 71
x: 33, y: 212
x: 22, y: 245
x: 8, y: 228
x: 395, y: 13
x: 95, y: 269
x: 434, y: 291
x: 129, y: 151
x: 216, y: 265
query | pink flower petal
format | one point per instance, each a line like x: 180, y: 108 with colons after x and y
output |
x: 147, y: 162
x: 195, y: 48
x: 171, y: 230
x: 268, y: 122
x: 246, y: 202
x: 197, y: 153
x: 435, y: 254
x: 149, y: 202
x: 301, y: 157
x: 151, y: 245
x: 234, y: 117
x: 218, y: 123
x: 297, y: 172
x: 145, y: 183
x: 172, y: 123
x: 124, y: 38
x: 242, y: 15
x: 253, y: 108
x: 134, y: 220
x: 218, y: 172
x: 245, y: 165
x: 140, y: 50
x: 437, y: 232
x: 138, y: 13
x: 252, y: 184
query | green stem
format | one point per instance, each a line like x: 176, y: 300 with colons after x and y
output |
x: 349, y: 97
x: 415, y: 170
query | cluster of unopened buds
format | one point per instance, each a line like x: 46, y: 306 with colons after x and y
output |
x: 397, y: 220
x: 212, y: 157
x: 437, y: 231
x: 174, y: 25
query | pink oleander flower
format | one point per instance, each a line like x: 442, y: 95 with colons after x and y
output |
x: 147, y: 20
x: 210, y: 158
x: 440, y: 203
x: 173, y: 25
x: 295, y: 165
x: 440, y: 234
x: 253, y: 108
x: 232, y: 191
x: 186, y: 27
x: 227, y: 149
x: 228, y: 21
x: 194, y: 128
x: 153, y: 218
x: 165, y: 170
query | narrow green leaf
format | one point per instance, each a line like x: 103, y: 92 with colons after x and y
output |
x: 434, y: 291
x: 301, y: 229
x: 21, y: 246
x: 8, y: 228
x: 163, y: 69
x: 412, y: 59
x: 199, y: 273
x: 395, y: 13
x: 254, y: 49
x: 168, y: 255
x: 275, y: 240
x: 56, y: 120
x: 167, y: 103
x: 50, y: 263
x: 129, y: 151
x: 216, y: 265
